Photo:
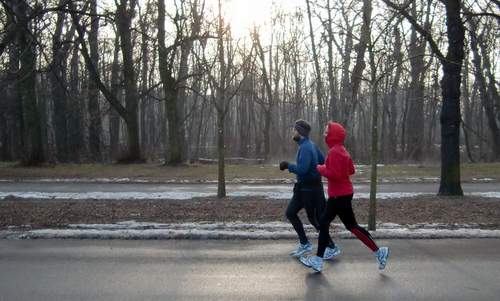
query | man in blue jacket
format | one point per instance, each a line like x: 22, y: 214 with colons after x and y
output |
x: 308, y: 190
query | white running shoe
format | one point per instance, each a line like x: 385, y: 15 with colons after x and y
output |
x: 313, y: 262
x: 332, y: 253
x: 302, y: 249
x: 382, y: 255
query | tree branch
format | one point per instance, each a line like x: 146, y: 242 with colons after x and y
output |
x: 471, y: 14
x: 423, y: 32
x: 92, y: 68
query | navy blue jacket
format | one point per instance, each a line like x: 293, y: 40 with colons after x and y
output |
x: 308, y: 156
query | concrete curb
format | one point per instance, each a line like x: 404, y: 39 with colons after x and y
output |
x: 276, y: 230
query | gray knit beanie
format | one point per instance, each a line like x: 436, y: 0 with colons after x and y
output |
x: 303, y: 127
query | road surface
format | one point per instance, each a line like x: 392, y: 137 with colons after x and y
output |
x: 183, y: 191
x: 245, y: 270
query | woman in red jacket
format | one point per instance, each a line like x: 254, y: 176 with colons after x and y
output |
x: 337, y: 169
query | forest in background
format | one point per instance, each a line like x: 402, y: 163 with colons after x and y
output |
x: 135, y: 80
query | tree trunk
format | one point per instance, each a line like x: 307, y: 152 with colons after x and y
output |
x: 133, y: 137
x: 221, y: 108
x: 173, y: 146
x: 125, y: 14
x: 331, y: 77
x: 74, y: 109
x: 467, y: 111
x: 487, y: 94
x: 144, y: 101
x: 269, y: 104
x: 372, y: 213
x: 434, y: 101
x: 12, y: 111
x: 26, y: 85
x: 221, y: 174
x: 392, y: 98
x: 317, y: 69
x: 243, y: 119
x: 114, y: 117
x: 374, y: 129
x: 201, y: 121
x: 357, y: 71
x: 267, y: 134
x: 415, y: 121
x: 345, y: 97
x: 186, y: 48
x: 174, y: 151
x: 129, y: 112
x: 58, y: 84
x: 182, y: 99
x: 450, y: 111
x: 95, y: 126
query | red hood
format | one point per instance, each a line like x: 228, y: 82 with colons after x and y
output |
x: 336, y: 134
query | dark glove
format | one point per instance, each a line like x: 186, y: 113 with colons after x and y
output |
x: 283, y: 165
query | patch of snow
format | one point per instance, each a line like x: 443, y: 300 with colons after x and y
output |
x: 173, y: 195
x: 238, y: 230
x: 491, y: 194
x: 362, y: 166
x: 261, y: 191
x: 389, y: 195
x: 483, y: 179
x: 151, y: 181
x: 177, y: 195
x: 433, y: 179
x: 409, y: 180
x: 260, y: 181
x: 85, y: 180
x: 277, y: 195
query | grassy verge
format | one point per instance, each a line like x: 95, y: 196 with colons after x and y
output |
x: 425, y: 209
x: 197, y: 172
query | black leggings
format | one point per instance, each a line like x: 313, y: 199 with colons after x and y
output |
x: 312, y: 199
x: 342, y: 207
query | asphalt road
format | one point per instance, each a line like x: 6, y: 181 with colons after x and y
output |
x: 76, y: 187
x: 245, y: 270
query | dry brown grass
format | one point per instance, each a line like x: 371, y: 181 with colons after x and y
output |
x: 38, y: 214
x: 201, y: 172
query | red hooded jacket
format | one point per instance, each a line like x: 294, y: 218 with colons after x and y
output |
x: 338, y: 165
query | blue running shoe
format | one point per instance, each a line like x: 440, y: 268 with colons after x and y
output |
x: 382, y: 255
x: 302, y: 249
x: 313, y: 262
x: 331, y: 253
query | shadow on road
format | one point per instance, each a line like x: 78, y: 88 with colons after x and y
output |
x: 318, y: 287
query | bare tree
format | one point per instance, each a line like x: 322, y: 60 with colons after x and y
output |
x: 114, y: 117
x: 415, y: 137
x: 185, y: 86
x: 26, y: 82
x: 390, y: 109
x: 11, y: 113
x: 174, y: 86
x: 269, y: 103
x: 481, y: 62
x: 129, y: 111
x: 58, y: 83
x: 357, y: 72
x: 95, y: 126
x: 317, y: 69
x: 223, y: 84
